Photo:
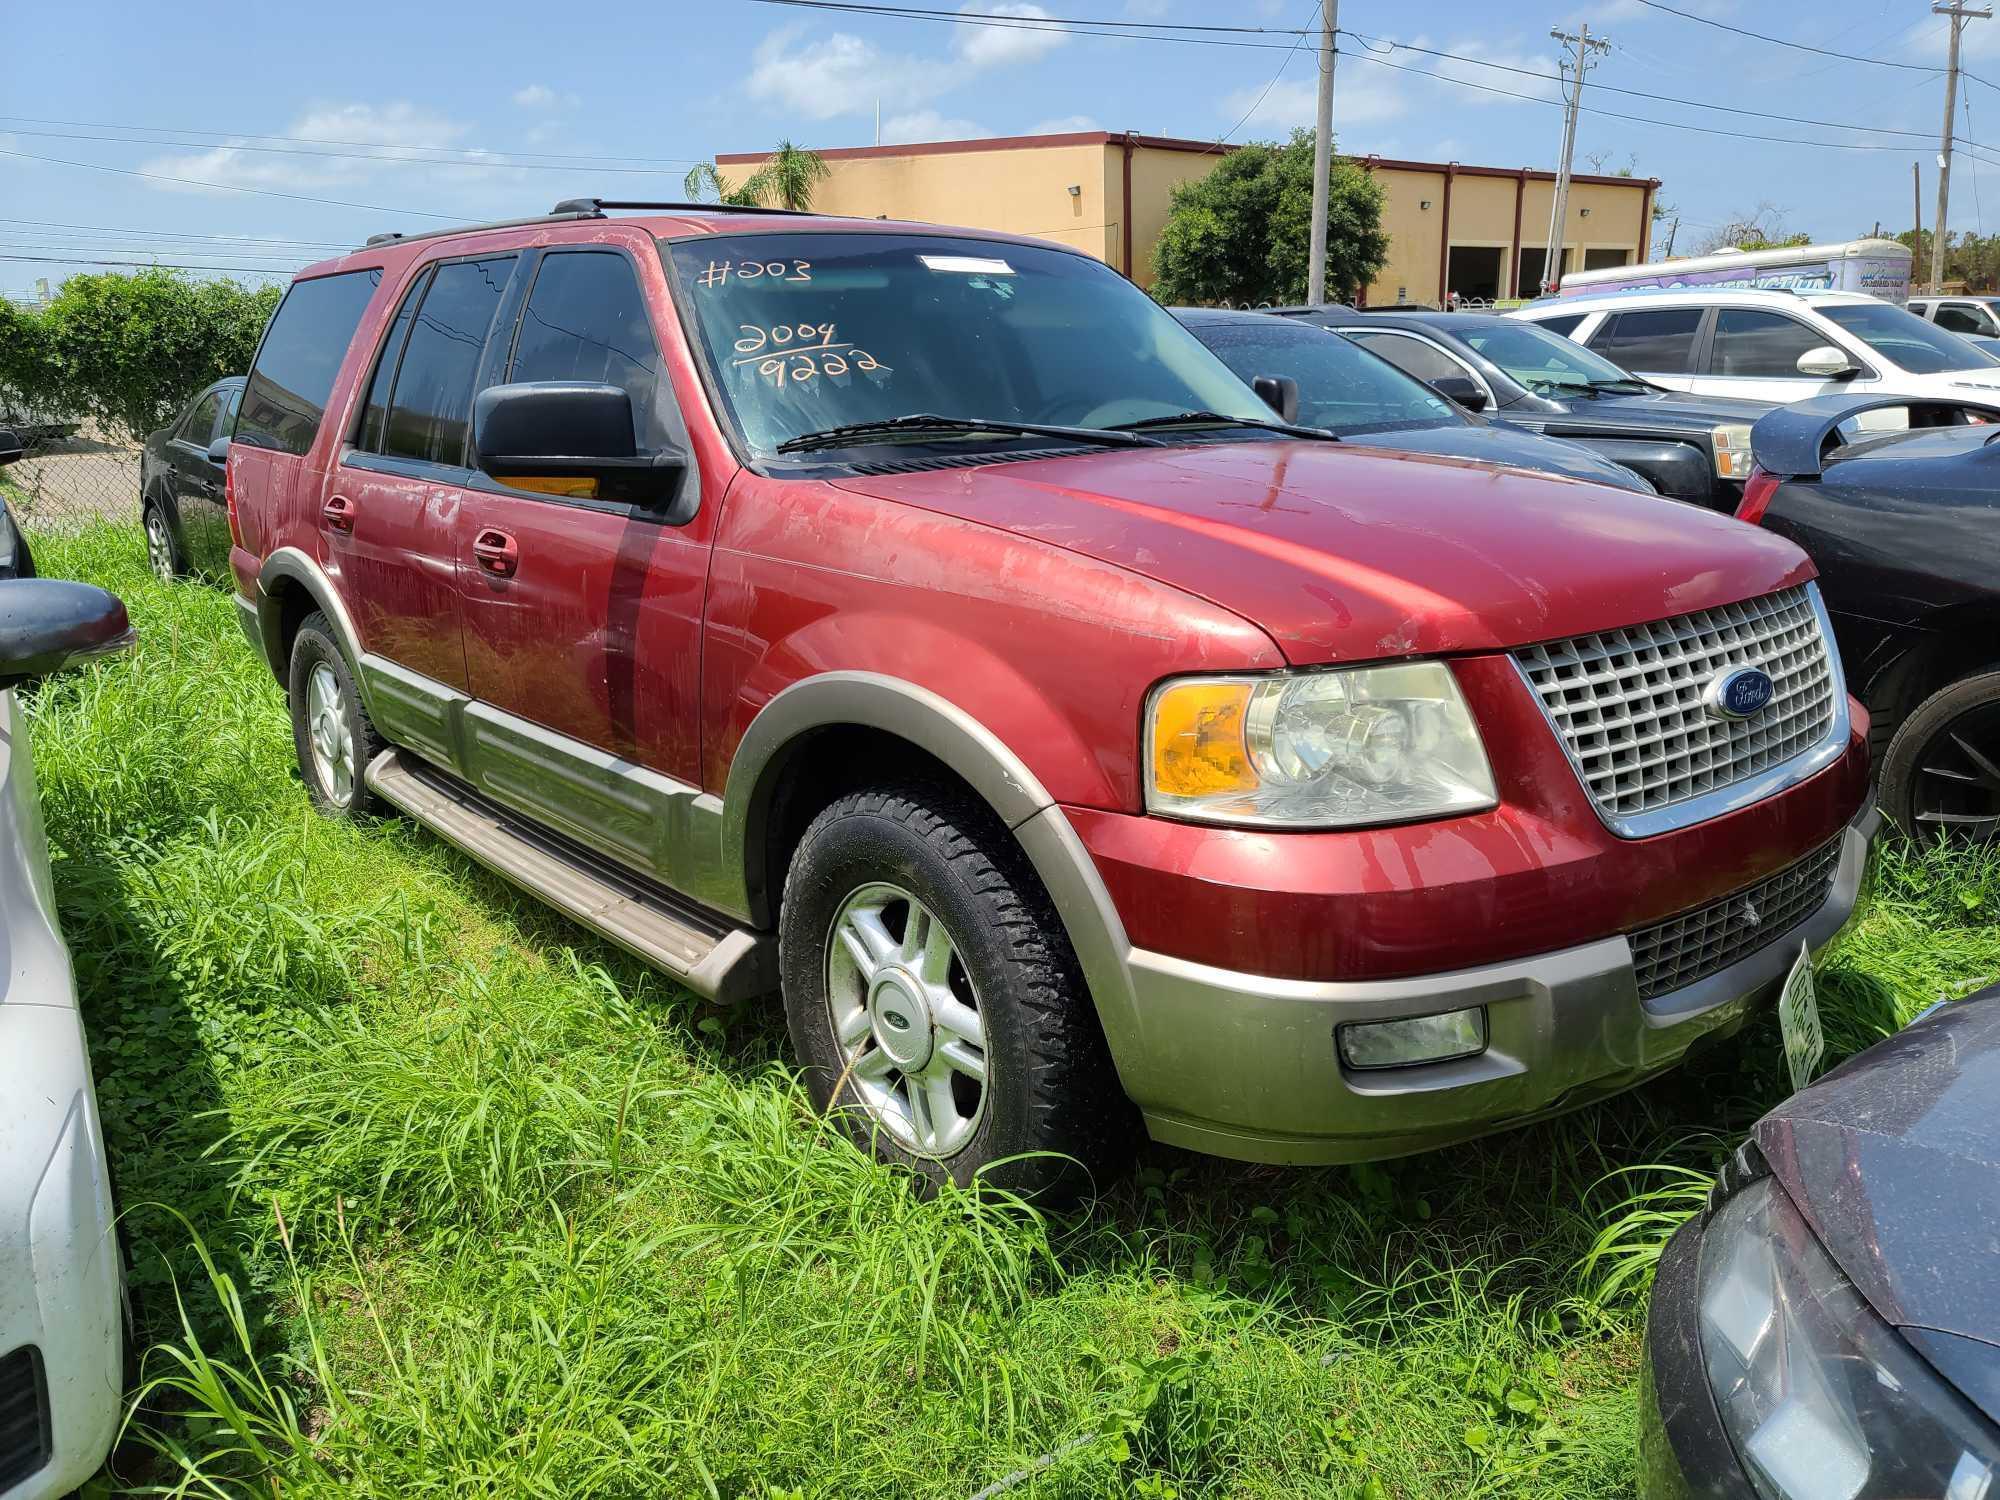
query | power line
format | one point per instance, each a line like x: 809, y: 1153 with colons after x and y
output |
x: 1611, y: 88
x: 226, y: 187
x: 1778, y: 41
x: 177, y: 234
x: 1283, y: 64
x: 144, y: 265
x: 488, y: 164
x: 1060, y: 25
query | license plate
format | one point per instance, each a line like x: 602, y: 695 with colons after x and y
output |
x: 1798, y: 1019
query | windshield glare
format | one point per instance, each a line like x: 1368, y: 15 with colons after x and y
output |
x: 1535, y: 356
x: 1904, y: 339
x: 804, y: 332
x: 1342, y: 387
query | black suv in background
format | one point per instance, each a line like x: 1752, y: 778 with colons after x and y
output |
x: 181, y: 501
x: 1694, y: 448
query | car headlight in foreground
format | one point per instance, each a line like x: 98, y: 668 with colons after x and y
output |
x: 1731, y: 442
x: 1821, y: 1398
x: 1323, y: 749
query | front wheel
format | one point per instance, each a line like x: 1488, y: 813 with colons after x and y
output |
x: 936, y: 1003
x: 1941, y: 772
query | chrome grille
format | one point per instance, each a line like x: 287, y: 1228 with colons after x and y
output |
x: 1707, y: 940
x: 1628, y: 703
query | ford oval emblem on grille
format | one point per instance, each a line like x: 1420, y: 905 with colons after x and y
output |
x: 1739, y: 693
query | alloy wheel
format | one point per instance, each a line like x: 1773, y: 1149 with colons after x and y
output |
x: 1958, y: 776
x: 331, y: 737
x: 159, y: 546
x: 906, y: 1020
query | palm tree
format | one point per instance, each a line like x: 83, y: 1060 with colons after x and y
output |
x: 703, y: 179
x: 789, y: 177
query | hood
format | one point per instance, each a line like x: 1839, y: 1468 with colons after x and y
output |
x: 1349, y: 553
x: 1677, y: 408
x: 1495, y: 443
x: 1894, y: 1161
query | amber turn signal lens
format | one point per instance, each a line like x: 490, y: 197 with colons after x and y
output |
x: 554, y: 484
x: 1198, y: 747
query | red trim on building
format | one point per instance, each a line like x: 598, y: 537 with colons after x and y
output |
x: 1513, y: 287
x: 1444, y: 237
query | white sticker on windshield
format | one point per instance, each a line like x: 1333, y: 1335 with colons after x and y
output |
x: 971, y: 265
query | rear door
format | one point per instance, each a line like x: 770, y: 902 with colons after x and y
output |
x: 394, y: 517
x: 1656, y: 342
x: 583, y: 616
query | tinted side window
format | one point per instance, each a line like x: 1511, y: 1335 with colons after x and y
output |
x: 200, y: 423
x: 300, y: 355
x: 1962, y: 319
x: 1760, y: 343
x: 1411, y: 356
x: 1660, y: 341
x: 375, y: 413
x: 1565, y: 325
x: 431, y: 412
x: 586, y: 320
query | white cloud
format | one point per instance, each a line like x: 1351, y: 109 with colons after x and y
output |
x: 1064, y: 125
x: 391, y: 133
x: 1359, y: 98
x: 839, y: 75
x: 929, y: 125
x: 535, y: 96
x: 1146, y: 10
x: 1492, y: 77
x: 1003, y: 46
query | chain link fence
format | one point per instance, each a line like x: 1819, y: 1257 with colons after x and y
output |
x: 71, y: 474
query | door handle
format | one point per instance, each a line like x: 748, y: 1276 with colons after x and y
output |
x: 339, y: 513
x: 497, y: 552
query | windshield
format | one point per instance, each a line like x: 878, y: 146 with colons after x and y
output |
x: 1904, y: 339
x: 1342, y: 387
x: 804, y: 332
x: 1535, y: 357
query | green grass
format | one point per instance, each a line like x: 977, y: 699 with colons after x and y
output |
x: 430, y: 1194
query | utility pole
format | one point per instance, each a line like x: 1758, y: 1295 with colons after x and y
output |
x: 1672, y: 230
x: 1329, y: 22
x: 1916, y: 212
x: 1583, y: 44
x: 1960, y: 13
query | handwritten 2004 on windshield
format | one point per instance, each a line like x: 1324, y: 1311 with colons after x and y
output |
x: 799, y: 352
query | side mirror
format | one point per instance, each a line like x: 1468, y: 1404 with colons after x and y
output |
x: 1827, y: 363
x: 1280, y: 393
x: 1461, y: 388
x: 218, y: 453
x: 571, y: 438
x: 10, y: 445
x: 47, y: 624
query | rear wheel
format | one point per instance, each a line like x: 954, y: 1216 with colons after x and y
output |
x: 935, y: 1001
x: 331, y: 731
x: 1942, y: 769
x: 162, y: 555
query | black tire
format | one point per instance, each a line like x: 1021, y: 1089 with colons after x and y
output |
x: 1942, y: 769
x: 163, y: 550
x: 1049, y: 1086
x: 315, y: 648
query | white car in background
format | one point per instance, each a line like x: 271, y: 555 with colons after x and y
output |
x: 61, y: 1276
x: 1775, y: 345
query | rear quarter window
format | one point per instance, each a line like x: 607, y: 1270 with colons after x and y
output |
x: 302, y: 351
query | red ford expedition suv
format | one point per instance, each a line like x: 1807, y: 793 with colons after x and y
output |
x: 926, y: 626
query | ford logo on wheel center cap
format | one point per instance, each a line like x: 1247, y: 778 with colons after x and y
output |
x: 1738, y: 692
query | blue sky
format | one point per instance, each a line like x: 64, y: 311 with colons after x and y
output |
x: 185, y: 93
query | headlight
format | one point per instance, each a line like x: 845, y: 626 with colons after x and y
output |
x: 1823, y: 1400
x: 1331, y: 749
x: 1732, y: 450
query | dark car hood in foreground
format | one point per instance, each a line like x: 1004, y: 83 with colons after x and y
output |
x: 1657, y: 411
x: 1894, y: 1159
x: 1495, y: 443
x: 1343, y: 552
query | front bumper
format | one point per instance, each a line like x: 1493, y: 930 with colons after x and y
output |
x: 1245, y: 1066
x: 60, y: 1274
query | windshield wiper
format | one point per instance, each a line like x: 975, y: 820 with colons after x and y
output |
x: 857, y: 432
x: 1217, y: 419
x: 1625, y: 382
x: 1541, y: 386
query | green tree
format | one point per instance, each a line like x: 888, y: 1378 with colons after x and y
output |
x: 130, y: 349
x: 1243, y: 233
x: 787, y: 180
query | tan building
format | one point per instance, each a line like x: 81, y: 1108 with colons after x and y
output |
x: 1477, y: 231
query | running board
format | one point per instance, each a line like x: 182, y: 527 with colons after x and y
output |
x: 698, y: 947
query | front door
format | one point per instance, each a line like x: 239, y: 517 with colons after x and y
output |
x: 198, y: 486
x: 394, y: 513
x: 1754, y: 353
x: 583, y: 616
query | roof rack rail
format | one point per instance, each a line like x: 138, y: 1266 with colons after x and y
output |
x: 563, y: 212
x: 595, y: 207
